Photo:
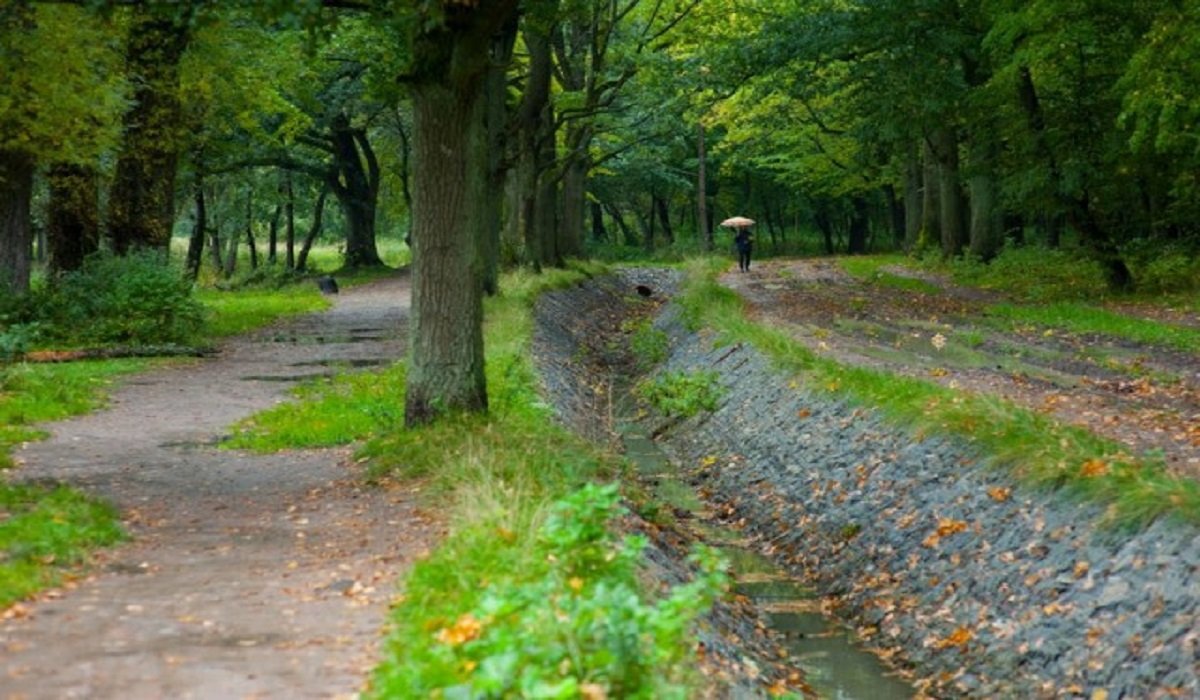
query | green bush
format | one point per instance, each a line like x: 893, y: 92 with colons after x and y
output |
x: 649, y: 344
x: 137, y: 299
x: 1160, y: 268
x: 580, y: 628
x: 682, y: 394
x: 1035, y: 273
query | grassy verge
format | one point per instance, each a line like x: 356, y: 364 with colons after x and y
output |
x: 1036, y: 449
x: 870, y: 269
x: 1076, y: 317
x: 44, y: 530
x: 234, y: 312
x: 530, y: 595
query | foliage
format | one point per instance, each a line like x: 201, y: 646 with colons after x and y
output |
x: 1082, y: 318
x: 870, y: 269
x: 575, y: 626
x: 44, y: 529
x: 138, y: 300
x: 1033, y: 447
x: 682, y: 394
x: 649, y: 344
x: 1032, y: 273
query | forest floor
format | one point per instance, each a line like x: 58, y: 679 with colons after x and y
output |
x: 1145, y: 397
x: 247, y: 575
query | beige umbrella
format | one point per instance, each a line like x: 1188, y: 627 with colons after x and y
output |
x: 737, y: 222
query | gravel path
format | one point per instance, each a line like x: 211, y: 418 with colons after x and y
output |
x: 248, y: 576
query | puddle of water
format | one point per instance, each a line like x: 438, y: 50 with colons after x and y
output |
x: 833, y: 662
x: 355, y: 363
x: 283, y: 377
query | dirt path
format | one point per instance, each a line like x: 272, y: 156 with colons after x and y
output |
x: 1146, y: 398
x: 248, y: 576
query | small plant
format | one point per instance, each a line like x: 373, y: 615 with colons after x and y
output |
x: 649, y: 344
x: 683, y: 394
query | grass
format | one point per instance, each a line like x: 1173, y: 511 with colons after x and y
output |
x: 236, y: 312
x: 1077, y: 317
x: 497, y: 479
x: 1036, y: 449
x: 870, y: 269
x: 42, y: 531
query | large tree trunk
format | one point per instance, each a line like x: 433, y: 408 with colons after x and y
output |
x: 574, y: 194
x: 931, y: 230
x: 72, y: 216
x: 987, y: 221
x: 536, y: 186
x: 355, y: 183
x: 912, y: 199
x: 950, y: 195
x: 450, y: 144
x: 142, y: 200
x: 496, y: 116
x: 16, y: 193
x: 706, y: 232
x: 195, y: 250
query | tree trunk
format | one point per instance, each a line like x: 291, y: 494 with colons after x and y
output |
x: 931, y: 230
x: 289, y: 215
x: 250, y: 231
x: 195, y: 250
x: 950, y: 195
x: 450, y: 148
x: 231, y: 254
x: 987, y: 224
x: 72, y: 216
x: 896, y: 219
x: 859, y: 227
x: 496, y: 116
x: 537, y: 188
x: 355, y: 183
x: 273, y: 234
x: 313, y: 231
x: 142, y: 200
x: 648, y: 227
x: 598, y: 231
x: 706, y: 231
x: 912, y: 199
x: 574, y: 195
x: 660, y: 205
x: 627, y: 234
x: 16, y: 194
x: 214, y: 239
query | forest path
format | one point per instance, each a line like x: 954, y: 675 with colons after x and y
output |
x: 1145, y: 397
x: 247, y: 576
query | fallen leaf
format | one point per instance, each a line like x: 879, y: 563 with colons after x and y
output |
x: 1000, y: 493
x: 957, y: 638
x: 1093, y: 467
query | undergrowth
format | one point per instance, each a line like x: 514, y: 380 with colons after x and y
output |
x: 1035, y: 448
x: 682, y: 394
x: 529, y: 595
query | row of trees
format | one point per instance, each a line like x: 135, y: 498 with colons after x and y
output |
x: 512, y: 131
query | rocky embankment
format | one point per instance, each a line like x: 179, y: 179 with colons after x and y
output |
x: 982, y: 587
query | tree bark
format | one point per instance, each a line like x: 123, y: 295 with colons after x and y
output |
x: 289, y: 214
x: 912, y: 199
x: 931, y: 230
x: 660, y: 205
x: 859, y: 227
x: 598, y: 231
x: 16, y: 242
x: 496, y: 116
x: 142, y: 199
x: 538, y: 198
x: 313, y: 231
x: 195, y: 250
x: 250, y: 231
x: 355, y: 183
x: 72, y: 216
x: 627, y: 234
x: 950, y: 195
x: 706, y: 232
x: 987, y: 223
x: 273, y: 234
x: 450, y: 147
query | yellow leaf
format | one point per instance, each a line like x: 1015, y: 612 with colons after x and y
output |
x: 1099, y: 694
x: 947, y: 526
x: 575, y: 583
x: 1081, y: 569
x: 1093, y: 467
x: 1000, y: 493
x: 463, y: 630
x: 957, y: 638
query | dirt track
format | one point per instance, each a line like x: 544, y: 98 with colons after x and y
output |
x: 247, y: 576
x: 1146, y: 398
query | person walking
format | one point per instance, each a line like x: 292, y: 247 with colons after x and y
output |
x: 745, y: 243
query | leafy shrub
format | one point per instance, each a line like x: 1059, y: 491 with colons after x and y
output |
x: 136, y: 299
x: 1034, y: 273
x: 682, y: 394
x: 648, y: 343
x: 1160, y: 268
x: 580, y: 628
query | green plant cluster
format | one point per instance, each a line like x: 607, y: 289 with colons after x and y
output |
x: 649, y: 344
x: 43, y: 529
x: 578, y: 627
x: 138, y: 300
x: 682, y: 394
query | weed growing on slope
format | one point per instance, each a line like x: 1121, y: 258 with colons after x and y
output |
x: 682, y: 394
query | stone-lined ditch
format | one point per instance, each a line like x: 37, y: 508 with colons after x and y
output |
x: 980, y: 587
